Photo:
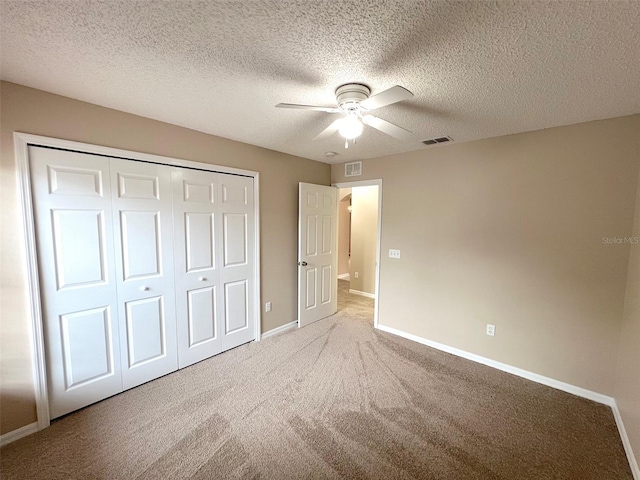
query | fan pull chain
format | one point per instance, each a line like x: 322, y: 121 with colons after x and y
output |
x: 346, y: 144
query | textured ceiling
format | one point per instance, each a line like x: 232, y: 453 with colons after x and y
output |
x: 477, y: 69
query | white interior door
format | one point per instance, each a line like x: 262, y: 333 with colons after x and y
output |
x: 317, y: 252
x: 72, y: 208
x: 237, y: 260
x: 143, y: 226
x: 197, y: 226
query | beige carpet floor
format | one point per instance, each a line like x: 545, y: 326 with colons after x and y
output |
x: 336, y: 399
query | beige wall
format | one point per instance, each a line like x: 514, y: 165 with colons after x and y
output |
x: 505, y: 231
x: 344, y: 227
x: 364, y: 233
x: 32, y: 111
x: 627, y: 391
x: 509, y: 231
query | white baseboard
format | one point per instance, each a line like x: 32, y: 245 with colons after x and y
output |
x: 579, y: 391
x: 344, y: 276
x: 18, y: 434
x: 625, y: 441
x: 280, y: 329
x: 364, y: 294
x: 550, y: 382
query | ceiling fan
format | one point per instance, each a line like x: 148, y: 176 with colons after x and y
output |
x: 354, y: 103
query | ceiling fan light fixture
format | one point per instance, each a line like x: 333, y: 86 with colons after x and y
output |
x: 351, y: 127
x: 355, y: 103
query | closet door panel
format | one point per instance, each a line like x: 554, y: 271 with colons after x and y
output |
x: 145, y: 327
x: 199, y: 235
x: 74, y: 236
x: 197, y: 258
x: 143, y: 225
x: 237, y: 322
x: 201, y: 315
x: 236, y: 300
x: 141, y: 244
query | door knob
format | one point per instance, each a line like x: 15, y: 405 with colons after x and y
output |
x: 144, y: 289
x: 303, y: 264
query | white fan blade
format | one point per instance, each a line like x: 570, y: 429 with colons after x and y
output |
x: 330, y: 130
x: 387, y: 97
x: 387, y: 127
x: 309, y: 107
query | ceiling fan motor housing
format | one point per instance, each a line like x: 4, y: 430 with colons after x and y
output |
x: 350, y: 95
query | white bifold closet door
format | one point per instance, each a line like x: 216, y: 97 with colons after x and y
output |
x: 144, y: 269
x: 76, y: 258
x: 197, y: 259
x: 214, y: 262
x: 237, y: 262
x: 143, y: 227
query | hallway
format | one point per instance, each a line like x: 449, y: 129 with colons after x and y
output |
x: 353, y: 304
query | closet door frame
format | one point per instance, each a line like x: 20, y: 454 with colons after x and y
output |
x: 21, y: 142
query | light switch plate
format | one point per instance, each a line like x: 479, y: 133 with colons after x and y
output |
x: 394, y: 253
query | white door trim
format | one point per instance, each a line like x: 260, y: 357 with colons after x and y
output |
x: 21, y: 146
x: 368, y: 183
x: 21, y: 143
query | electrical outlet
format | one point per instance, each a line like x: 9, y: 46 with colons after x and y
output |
x: 491, y: 330
x: 394, y: 253
x: 355, y: 274
x: 267, y: 307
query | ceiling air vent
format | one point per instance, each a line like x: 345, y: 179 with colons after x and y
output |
x: 353, y: 169
x: 433, y: 141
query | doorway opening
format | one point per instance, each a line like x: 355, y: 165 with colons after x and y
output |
x: 359, y: 247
